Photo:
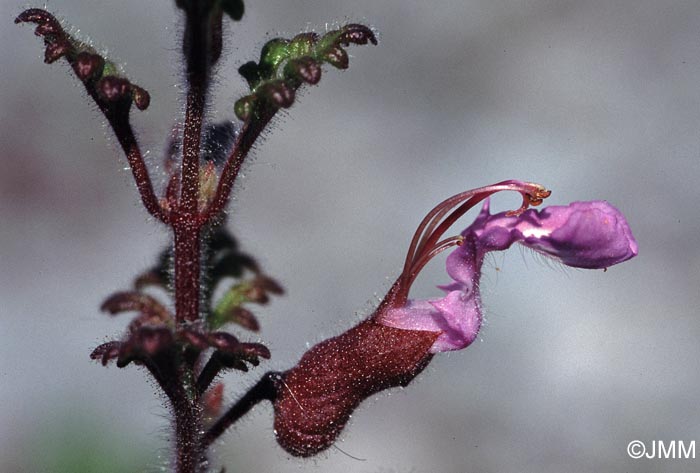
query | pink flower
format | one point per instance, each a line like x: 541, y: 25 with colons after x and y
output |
x: 314, y: 399
x: 589, y: 235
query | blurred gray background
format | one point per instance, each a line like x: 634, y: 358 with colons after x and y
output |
x: 596, y: 99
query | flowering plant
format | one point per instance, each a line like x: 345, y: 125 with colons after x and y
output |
x: 184, y: 345
x: 313, y: 401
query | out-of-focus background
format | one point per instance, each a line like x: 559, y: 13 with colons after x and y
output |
x: 596, y: 99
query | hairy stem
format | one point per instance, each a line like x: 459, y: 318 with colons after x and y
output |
x: 188, y: 428
x: 191, y: 144
x: 244, y: 142
x: 187, y: 231
x: 187, y: 274
x: 127, y: 140
x: 196, y: 48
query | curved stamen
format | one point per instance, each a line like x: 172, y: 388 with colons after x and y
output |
x: 532, y: 194
x: 433, y: 252
x: 433, y: 231
x: 423, y: 246
x: 430, y: 236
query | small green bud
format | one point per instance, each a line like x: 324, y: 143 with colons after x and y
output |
x: 302, y: 44
x: 232, y: 299
x: 244, y: 107
x: 273, y: 53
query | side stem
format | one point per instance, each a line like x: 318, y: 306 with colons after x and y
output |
x: 127, y: 140
x: 265, y: 389
x: 244, y: 142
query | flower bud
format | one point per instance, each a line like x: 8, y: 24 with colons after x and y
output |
x: 55, y: 51
x: 88, y: 66
x: 277, y: 93
x: 356, y: 34
x: 304, y: 68
x: 337, y: 57
x: 142, y: 99
x: 244, y: 106
x: 114, y: 89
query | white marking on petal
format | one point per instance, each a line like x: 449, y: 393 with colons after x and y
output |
x: 536, y: 232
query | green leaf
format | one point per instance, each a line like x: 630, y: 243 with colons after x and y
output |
x: 232, y: 299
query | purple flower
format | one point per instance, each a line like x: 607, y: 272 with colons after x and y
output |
x: 592, y: 235
x: 313, y: 400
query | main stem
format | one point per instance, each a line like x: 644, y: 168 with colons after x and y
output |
x: 188, y: 430
x: 187, y: 249
x: 186, y: 409
x: 186, y: 224
x: 191, y: 145
x: 187, y: 231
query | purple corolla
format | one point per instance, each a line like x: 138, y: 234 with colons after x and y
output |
x: 592, y: 235
x: 314, y: 399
